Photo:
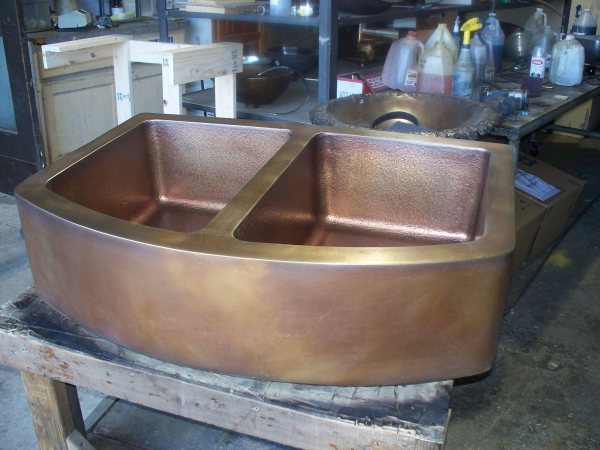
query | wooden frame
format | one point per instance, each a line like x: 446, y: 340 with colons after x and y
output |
x: 180, y: 63
x: 55, y: 354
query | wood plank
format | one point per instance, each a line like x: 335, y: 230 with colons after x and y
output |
x: 178, y: 396
x: 144, y: 52
x: 171, y: 92
x: 85, y: 43
x: 202, y: 62
x: 76, y: 441
x: 103, y: 408
x: 219, y: 9
x: 54, y: 407
x: 123, y: 81
x: 225, y: 96
x: 66, y: 58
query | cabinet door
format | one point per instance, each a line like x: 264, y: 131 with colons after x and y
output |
x: 251, y: 34
x: 78, y: 109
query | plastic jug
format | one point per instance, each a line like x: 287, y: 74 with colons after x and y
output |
x: 567, y: 62
x: 280, y: 7
x: 545, y: 39
x: 442, y: 33
x: 401, y: 65
x: 435, y: 70
x: 585, y: 24
x: 537, y: 22
x: 495, y: 36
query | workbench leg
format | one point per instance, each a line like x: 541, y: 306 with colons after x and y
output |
x: 225, y: 100
x: 515, y: 143
x: 55, y: 410
x: 171, y: 93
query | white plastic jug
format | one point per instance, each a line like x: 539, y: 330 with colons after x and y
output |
x: 585, y: 24
x: 545, y: 39
x: 401, y: 65
x: 442, y: 34
x: 567, y: 62
x: 435, y: 70
x: 494, y: 35
x: 280, y: 7
x: 537, y: 22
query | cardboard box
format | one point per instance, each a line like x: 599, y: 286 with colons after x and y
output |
x: 528, y: 218
x: 360, y: 82
x: 558, y: 207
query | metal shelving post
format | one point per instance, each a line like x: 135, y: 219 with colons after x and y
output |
x: 328, y: 49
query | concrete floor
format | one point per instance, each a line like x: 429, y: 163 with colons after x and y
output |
x: 543, y: 392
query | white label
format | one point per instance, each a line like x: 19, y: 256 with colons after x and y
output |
x: 537, y: 68
x: 274, y: 2
x: 348, y: 87
x: 534, y: 185
x: 411, y: 78
x: 114, y: 11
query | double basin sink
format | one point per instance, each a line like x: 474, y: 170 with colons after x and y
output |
x: 277, y: 251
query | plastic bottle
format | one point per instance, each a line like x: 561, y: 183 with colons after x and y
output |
x: 537, y: 22
x: 280, y: 7
x: 585, y: 24
x: 546, y: 39
x: 435, y: 70
x: 567, y: 62
x: 401, y: 65
x: 479, y: 56
x: 490, y: 66
x: 538, y: 62
x: 495, y: 36
x: 463, y: 80
x: 442, y: 33
x: 456, y: 31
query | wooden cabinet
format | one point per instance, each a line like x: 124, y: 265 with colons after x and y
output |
x: 75, y: 110
x: 77, y: 104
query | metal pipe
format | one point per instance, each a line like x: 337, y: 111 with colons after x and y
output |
x: 163, y: 28
x: 586, y: 133
x: 328, y: 50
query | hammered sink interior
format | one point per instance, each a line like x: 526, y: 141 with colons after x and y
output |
x: 174, y: 176
x: 279, y: 251
x: 442, y: 115
x: 352, y: 191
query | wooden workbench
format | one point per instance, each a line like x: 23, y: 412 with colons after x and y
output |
x: 54, y: 355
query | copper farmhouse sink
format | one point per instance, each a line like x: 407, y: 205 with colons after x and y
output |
x: 277, y: 251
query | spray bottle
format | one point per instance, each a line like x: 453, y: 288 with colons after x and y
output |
x: 463, y: 81
x: 455, y: 32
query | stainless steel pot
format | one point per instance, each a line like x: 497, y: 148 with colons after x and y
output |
x: 517, y: 45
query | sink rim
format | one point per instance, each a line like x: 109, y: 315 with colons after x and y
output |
x: 490, y: 120
x: 217, y: 238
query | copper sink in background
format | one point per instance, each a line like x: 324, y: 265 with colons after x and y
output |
x: 278, y: 251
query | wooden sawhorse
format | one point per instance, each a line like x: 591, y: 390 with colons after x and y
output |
x: 55, y: 355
